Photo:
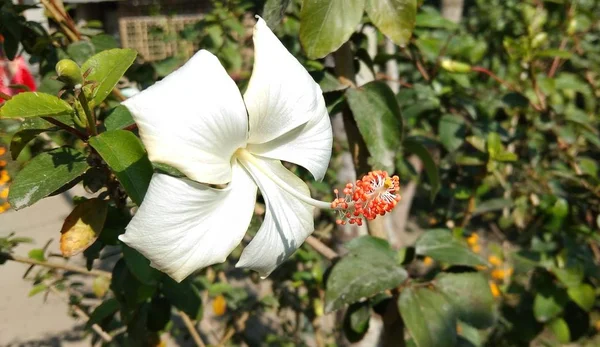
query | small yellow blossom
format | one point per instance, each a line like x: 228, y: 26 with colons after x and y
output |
x: 2, y: 163
x: 4, y: 207
x: 502, y: 274
x: 494, y: 260
x: 472, y: 240
x: 2, y: 151
x: 427, y: 261
x: 219, y: 305
x: 494, y: 288
x: 4, y: 193
x: 476, y: 248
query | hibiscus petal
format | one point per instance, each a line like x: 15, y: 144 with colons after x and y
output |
x: 183, y: 226
x: 287, y: 112
x: 194, y: 119
x: 288, y: 221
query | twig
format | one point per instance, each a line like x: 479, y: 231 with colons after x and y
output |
x: 322, y: 248
x: 66, y: 128
x: 191, y: 328
x: 66, y: 267
x: 81, y: 314
x: 556, y: 62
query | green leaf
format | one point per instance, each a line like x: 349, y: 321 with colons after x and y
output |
x: 80, y: 51
x: 471, y: 297
x: 395, y: 18
x: 125, y: 155
x: 451, y: 131
x: 559, y: 327
x: 325, y: 25
x: 492, y: 205
x: 103, y: 311
x: 428, y: 316
x: 571, y: 276
x: 104, y: 42
x: 119, y: 118
x: 274, y: 11
x: 38, y: 288
x: 377, y: 115
x: 34, y: 104
x: 369, y: 268
x: 356, y: 321
x: 140, y: 267
x: 159, y: 314
x: 37, y: 254
x: 30, y: 128
x: 411, y: 145
x: 185, y: 296
x: 583, y: 295
x: 106, y: 68
x: 441, y: 246
x: 549, y: 304
x: 494, y: 144
x: 45, y: 174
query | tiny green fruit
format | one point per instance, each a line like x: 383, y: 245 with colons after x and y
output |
x: 69, y: 72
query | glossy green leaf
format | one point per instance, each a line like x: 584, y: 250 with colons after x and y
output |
x: 38, y: 288
x: 80, y: 51
x: 45, y: 174
x: 583, y: 295
x: 106, y: 68
x: 428, y: 316
x: 451, y: 131
x: 125, y: 155
x: 325, y: 25
x: 140, y: 267
x: 560, y: 329
x: 119, y: 118
x: 37, y: 254
x: 377, y: 115
x: 412, y: 145
x: 185, y: 296
x: 549, y: 304
x: 471, y: 297
x: 274, y: 11
x: 369, y: 268
x: 440, y: 245
x: 395, y: 18
x: 34, y: 104
x: 356, y: 321
x: 104, y: 42
x: 103, y: 311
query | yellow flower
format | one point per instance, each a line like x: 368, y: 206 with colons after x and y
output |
x: 2, y: 150
x: 2, y: 163
x: 4, y: 207
x: 472, y: 240
x: 494, y: 260
x: 476, y: 248
x: 494, y: 288
x: 4, y: 193
x: 427, y: 261
x: 502, y: 274
x: 219, y: 305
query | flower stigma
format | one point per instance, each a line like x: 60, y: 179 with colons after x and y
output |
x: 374, y: 195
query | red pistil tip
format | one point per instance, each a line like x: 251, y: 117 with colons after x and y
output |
x: 374, y: 195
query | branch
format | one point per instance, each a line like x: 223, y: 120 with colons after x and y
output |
x: 322, y: 248
x: 189, y: 324
x: 66, y: 267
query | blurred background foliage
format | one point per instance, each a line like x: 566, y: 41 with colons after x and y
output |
x: 488, y: 111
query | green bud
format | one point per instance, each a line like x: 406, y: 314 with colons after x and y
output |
x: 455, y: 66
x: 69, y: 72
x: 572, y: 28
x: 539, y: 39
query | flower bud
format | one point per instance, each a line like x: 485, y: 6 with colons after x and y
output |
x: 539, y: 39
x: 455, y: 66
x: 69, y: 72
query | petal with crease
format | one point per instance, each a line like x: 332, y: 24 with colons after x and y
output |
x: 288, y: 119
x: 194, y: 119
x: 183, y: 226
x: 288, y: 221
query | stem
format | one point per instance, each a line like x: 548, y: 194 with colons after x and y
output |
x: 81, y: 314
x: 66, y: 128
x: 320, y: 247
x: 248, y: 158
x: 91, y: 120
x: 66, y: 267
x: 62, y: 20
x: 189, y: 324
